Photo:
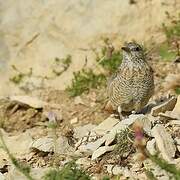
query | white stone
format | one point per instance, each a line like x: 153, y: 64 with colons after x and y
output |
x: 176, y: 110
x: 120, y: 126
x: 115, y: 170
x: 105, y: 126
x: 158, y: 172
x: 118, y: 170
x: 36, y: 173
x: 44, y: 144
x: 47, y: 144
x: 102, y: 150
x: 92, y: 146
x: 36, y: 32
x: 82, y: 131
x: 74, y: 120
x: 78, y: 100
x: 62, y: 146
x: 151, y: 146
x: 164, y: 142
x: 30, y: 101
x: 110, y: 136
x: 167, y: 116
x: 85, y: 162
x: 168, y: 105
x: 18, y: 144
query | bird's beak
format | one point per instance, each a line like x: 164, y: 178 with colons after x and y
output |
x: 126, y: 49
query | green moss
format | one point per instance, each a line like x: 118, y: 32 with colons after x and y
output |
x: 109, y: 59
x: 69, y: 172
x: 111, y: 64
x: 21, y: 167
x: 173, y: 30
x: 150, y: 175
x: 177, y: 90
x: 171, y: 168
x: 124, y: 145
x: 64, y: 62
x: 105, y: 178
x: 19, y: 76
x: 166, y: 53
x: 84, y: 80
x: 171, y: 48
x: 17, y: 79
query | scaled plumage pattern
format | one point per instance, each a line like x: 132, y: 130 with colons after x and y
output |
x: 131, y: 87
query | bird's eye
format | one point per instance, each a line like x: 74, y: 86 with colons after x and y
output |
x: 137, y: 49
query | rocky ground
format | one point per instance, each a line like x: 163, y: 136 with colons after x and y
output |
x: 43, y: 128
x: 83, y: 129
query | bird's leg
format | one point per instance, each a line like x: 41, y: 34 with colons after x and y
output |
x: 120, y: 113
x: 138, y: 108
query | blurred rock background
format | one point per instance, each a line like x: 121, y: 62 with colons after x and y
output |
x: 33, y: 33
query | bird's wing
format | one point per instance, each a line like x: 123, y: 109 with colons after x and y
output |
x: 109, y: 83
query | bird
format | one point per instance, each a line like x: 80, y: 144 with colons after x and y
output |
x: 132, y: 85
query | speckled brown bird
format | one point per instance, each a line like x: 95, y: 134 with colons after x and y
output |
x: 131, y: 87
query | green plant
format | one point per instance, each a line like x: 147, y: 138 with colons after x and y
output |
x: 105, y: 178
x: 177, y: 90
x: 19, y: 76
x: 173, y: 30
x: 64, y: 63
x: 124, y: 143
x: 84, y: 80
x: 166, y: 53
x: 24, y: 169
x: 108, y: 58
x: 171, y: 168
x: 111, y: 63
x: 69, y: 172
x: 171, y: 48
x: 150, y: 175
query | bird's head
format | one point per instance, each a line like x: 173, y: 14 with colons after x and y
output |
x: 133, y: 51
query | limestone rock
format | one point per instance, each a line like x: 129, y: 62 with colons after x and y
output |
x: 105, y: 126
x: 74, y: 120
x: 124, y: 124
x: 18, y: 144
x: 78, y: 100
x: 44, y: 144
x: 151, y: 147
x: 164, y: 142
x: 47, y: 144
x: 156, y: 170
x: 92, y: 146
x: 118, y: 170
x: 81, y: 131
x: 85, y: 162
x: 176, y: 110
x: 165, y: 106
x: 30, y: 101
x: 102, y: 150
x: 34, y: 33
